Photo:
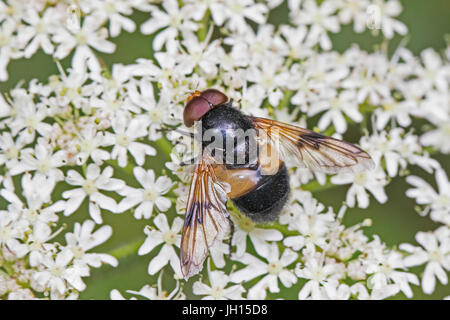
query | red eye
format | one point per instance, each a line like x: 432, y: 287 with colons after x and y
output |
x: 194, y: 110
x: 214, y: 97
x: 199, y: 103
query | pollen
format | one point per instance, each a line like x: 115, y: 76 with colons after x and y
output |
x: 217, y: 292
x: 89, y: 187
x: 435, y: 255
x: 56, y: 271
x: 123, y: 140
x: 44, y: 166
x: 150, y: 195
x: 78, y: 252
x: 360, y: 178
x: 155, y: 115
x: 11, y: 153
x: 169, y: 237
x: 194, y: 94
x: 274, y: 267
x: 245, y: 223
x: 81, y: 38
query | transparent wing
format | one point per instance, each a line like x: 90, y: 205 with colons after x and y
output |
x: 206, y: 219
x: 313, y: 150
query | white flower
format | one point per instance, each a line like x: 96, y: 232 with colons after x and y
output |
x: 336, y: 290
x: 90, y: 187
x: 251, y: 48
x: 202, y: 54
x: 72, y: 88
x: 410, y: 149
x: 116, y: 295
x: 310, y: 221
x: 152, y: 293
x: 201, y: 6
x: 90, y: 142
x: 114, y: 12
x: 379, y: 146
x: 276, y: 268
x: 172, y: 20
x: 42, y: 161
x: 397, y: 149
x: 438, y: 137
x: 392, y: 109
x: 126, y: 132
x: 258, y: 236
x: 270, y: 76
x: 154, y: 113
x: 436, y: 256
x: 10, y: 150
x: 30, y: 116
x: 82, y: 38
x: 12, y: 229
x: 250, y: 101
x: 321, y: 18
x: 9, y: 47
x: 319, y: 272
x: 369, y: 80
x: 58, y: 138
x: 336, y: 105
x: 218, y: 287
x: 383, y: 271
x: 220, y: 253
x: 388, y: 25
x: 40, y: 31
x: 169, y: 237
x: 354, y: 10
x: 57, y: 274
x: 434, y: 72
x: 236, y: 11
x: 373, y: 181
x: 294, y: 45
x: 360, y: 292
x: 437, y: 202
x: 37, y: 243
x: 147, y: 197
x: 37, y: 191
x: 84, y: 239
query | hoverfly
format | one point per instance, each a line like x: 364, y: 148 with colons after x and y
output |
x: 258, y: 185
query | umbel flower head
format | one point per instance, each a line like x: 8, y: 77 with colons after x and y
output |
x: 92, y: 168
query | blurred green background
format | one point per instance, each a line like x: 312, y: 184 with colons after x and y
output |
x: 396, y: 221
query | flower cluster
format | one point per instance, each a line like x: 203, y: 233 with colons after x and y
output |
x: 66, y: 143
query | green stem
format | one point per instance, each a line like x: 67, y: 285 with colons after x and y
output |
x: 203, y: 29
x: 128, y: 170
x: 59, y: 121
x: 126, y: 250
x: 164, y: 145
x: 286, y: 99
x: 315, y: 186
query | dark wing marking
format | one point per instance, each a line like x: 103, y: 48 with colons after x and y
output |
x: 313, y: 150
x: 206, y: 219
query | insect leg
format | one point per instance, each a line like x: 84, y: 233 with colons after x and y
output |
x: 230, y: 243
x: 182, y: 132
x: 188, y: 162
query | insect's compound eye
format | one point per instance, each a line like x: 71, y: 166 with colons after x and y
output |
x: 194, y: 110
x: 214, y: 97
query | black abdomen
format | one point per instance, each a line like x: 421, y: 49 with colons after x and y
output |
x: 265, y: 202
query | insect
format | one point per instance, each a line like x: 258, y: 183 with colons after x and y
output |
x: 257, y: 184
